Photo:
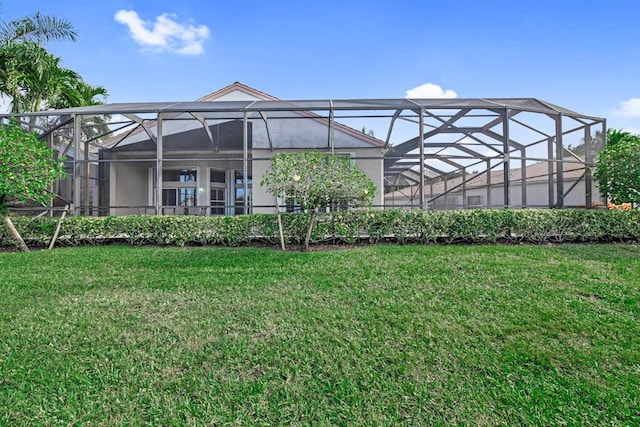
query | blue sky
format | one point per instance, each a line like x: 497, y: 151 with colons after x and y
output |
x: 582, y: 55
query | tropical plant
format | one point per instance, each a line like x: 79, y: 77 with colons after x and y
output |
x: 75, y: 92
x: 35, y: 80
x: 618, y: 167
x: 20, y: 65
x: 27, y: 169
x: 32, y: 77
x: 318, y: 180
x: 78, y: 93
x: 36, y: 28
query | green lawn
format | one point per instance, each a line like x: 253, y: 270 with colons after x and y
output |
x: 380, y: 335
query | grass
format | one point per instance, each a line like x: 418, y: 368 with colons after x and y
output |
x: 386, y: 335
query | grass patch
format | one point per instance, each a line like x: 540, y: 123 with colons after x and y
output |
x: 379, y: 335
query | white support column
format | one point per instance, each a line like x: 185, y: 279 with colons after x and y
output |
x: 245, y: 162
x: 159, y: 156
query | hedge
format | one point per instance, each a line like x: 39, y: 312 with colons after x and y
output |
x: 358, y: 226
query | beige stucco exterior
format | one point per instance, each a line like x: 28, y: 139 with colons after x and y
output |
x: 187, y: 145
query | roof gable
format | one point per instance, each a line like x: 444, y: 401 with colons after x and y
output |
x: 237, y: 92
x: 299, y: 134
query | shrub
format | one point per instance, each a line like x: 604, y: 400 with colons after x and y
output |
x: 316, y: 180
x: 358, y: 226
x: 618, y: 167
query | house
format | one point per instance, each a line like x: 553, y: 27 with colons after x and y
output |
x: 208, y: 157
x: 202, y: 160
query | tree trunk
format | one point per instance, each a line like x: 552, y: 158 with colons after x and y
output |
x: 280, y: 230
x: 16, y: 236
x: 284, y: 248
x: 308, y: 237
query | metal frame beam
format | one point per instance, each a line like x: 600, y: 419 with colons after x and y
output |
x: 145, y: 125
x: 485, y: 143
x: 77, y: 140
x: 203, y: 121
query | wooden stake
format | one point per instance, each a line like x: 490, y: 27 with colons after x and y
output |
x: 55, y: 235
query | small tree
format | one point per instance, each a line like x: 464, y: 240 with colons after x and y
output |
x: 618, y: 167
x: 317, y: 180
x: 27, y: 169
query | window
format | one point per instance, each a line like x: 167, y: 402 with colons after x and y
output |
x: 179, y: 197
x: 239, y: 191
x: 179, y: 190
x: 218, y: 191
x: 218, y: 203
x: 218, y: 176
x: 180, y: 175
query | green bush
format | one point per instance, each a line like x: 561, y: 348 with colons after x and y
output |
x: 399, y: 226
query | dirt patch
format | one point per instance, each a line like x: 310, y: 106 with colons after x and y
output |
x: 592, y: 298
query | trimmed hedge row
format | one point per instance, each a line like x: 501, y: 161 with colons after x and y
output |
x: 470, y: 226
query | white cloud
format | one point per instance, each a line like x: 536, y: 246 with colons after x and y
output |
x: 165, y: 34
x: 631, y: 129
x: 430, y: 90
x: 629, y: 108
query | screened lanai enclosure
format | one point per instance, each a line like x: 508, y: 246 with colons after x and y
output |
x: 208, y: 157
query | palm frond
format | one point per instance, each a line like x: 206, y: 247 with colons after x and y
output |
x: 36, y: 28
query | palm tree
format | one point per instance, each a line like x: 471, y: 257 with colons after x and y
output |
x: 30, y: 75
x: 49, y: 85
x: 79, y: 94
x: 75, y: 92
x: 35, y: 80
x: 23, y: 60
x: 36, y: 28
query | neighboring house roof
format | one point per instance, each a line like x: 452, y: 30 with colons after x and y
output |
x: 534, y: 173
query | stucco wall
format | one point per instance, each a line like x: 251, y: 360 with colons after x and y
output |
x: 129, y: 187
